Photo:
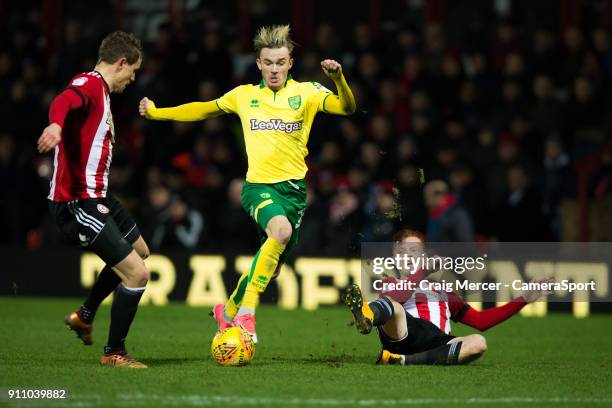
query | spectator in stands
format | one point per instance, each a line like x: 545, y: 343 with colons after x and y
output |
x: 559, y: 181
x: 518, y: 215
x: 238, y: 235
x: 469, y: 192
x: 448, y: 220
x: 175, y: 224
x: 381, y: 224
x: 547, y: 112
x: 485, y: 106
x: 410, y: 200
x: 340, y: 233
x: 10, y: 181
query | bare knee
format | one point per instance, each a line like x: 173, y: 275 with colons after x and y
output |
x: 280, y: 229
x: 139, y: 278
x: 472, y: 348
x: 477, y: 345
x: 133, y: 271
x: 397, y: 308
x: 143, y: 275
x: 481, y: 345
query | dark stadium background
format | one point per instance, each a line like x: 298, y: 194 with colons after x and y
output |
x: 508, y: 101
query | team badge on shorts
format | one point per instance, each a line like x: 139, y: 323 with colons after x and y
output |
x: 102, y: 208
x: 295, y: 102
x: 83, y: 240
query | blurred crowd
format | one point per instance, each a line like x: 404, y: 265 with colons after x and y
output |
x: 457, y: 138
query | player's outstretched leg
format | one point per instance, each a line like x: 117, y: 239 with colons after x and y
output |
x: 460, y: 350
x: 448, y: 354
x: 366, y: 315
x: 135, y: 276
x: 263, y: 268
x: 264, y: 265
x: 81, y: 320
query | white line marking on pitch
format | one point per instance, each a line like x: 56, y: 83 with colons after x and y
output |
x: 129, y: 400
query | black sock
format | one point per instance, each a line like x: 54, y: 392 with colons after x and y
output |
x: 447, y: 354
x: 383, y: 311
x: 122, y: 314
x: 104, y: 285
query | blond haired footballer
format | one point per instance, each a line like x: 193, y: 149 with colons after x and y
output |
x: 276, y: 117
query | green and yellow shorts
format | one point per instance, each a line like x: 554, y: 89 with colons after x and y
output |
x: 264, y: 201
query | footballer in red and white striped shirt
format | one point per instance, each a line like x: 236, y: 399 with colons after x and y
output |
x: 414, y: 326
x: 81, y: 133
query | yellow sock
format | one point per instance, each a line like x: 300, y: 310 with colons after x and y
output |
x: 233, y: 303
x: 263, y: 268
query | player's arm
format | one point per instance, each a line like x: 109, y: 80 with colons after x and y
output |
x: 60, y: 106
x: 344, y: 102
x: 188, y: 112
x: 485, y: 319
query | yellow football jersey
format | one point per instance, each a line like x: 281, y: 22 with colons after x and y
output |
x: 276, y: 126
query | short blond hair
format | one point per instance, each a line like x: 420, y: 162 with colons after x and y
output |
x: 276, y: 36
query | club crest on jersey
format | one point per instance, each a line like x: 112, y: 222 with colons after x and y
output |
x: 102, y: 209
x: 79, y: 81
x: 295, y: 102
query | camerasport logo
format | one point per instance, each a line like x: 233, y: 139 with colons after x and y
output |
x: 276, y: 124
x: 102, y: 209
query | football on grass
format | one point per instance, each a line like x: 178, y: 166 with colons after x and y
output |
x: 232, y: 347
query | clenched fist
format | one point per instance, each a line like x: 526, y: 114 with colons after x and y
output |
x: 332, y: 69
x: 145, y: 104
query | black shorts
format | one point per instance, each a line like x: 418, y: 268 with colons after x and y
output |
x: 100, y: 225
x: 423, y: 335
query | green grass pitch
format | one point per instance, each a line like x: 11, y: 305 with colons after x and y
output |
x: 311, y: 359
